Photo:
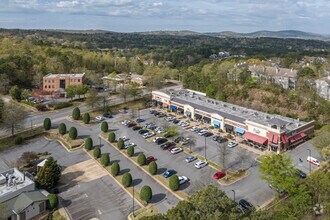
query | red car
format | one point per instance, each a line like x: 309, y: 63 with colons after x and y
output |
x: 131, y: 124
x: 219, y: 175
x: 170, y: 148
x: 150, y: 159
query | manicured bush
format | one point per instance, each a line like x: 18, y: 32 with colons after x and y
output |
x: 86, y: 118
x: 141, y: 159
x: 174, y: 182
x: 120, y: 144
x: 112, y: 137
x: 88, y: 143
x: 146, y: 193
x: 130, y: 151
x: 52, y: 201
x: 104, y: 126
x: 153, y: 168
x: 97, y: 152
x: 62, y: 105
x: 62, y: 129
x: 127, y: 180
x: 41, y: 107
x: 115, y: 169
x: 76, y: 113
x: 47, y: 124
x: 105, y: 159
x: 18, y: 140
x: 73, y: 133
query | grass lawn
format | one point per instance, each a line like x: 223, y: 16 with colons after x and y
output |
x: 65, y: 139
x: 143, y: 212
x: 232, y: 177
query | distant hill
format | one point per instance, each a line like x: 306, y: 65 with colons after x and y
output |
x: 174, y: 33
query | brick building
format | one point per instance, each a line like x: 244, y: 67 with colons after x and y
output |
x: 55, y: 82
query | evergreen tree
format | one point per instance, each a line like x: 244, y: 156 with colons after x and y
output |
x: 49, y: 174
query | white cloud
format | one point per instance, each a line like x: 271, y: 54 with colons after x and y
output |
x: 157, y: 4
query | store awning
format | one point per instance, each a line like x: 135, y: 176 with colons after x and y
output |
x: 216, y: 123
x: 284, y: 138
x: 297, y: 137
x: 173, y: 107
x: 255, y: 138
x: 239, y: 130
x: 272, y: 137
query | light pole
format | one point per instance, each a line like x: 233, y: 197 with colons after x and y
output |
x: 31, y: 125
x: 205, y: 148
x: 133, y: 200
x: 234, y: 194
x: 310, y: 165
x: 100, y: 141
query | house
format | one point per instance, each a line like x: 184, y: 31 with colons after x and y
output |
x: 59, y: 82
x: 19, y: 197
x: 123, y: 78
x: 323, y: 87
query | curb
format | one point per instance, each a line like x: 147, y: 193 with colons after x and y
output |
x: 239, y: 179
x: 63, y: 145
x: 68, y: 118
x: 159, y: 182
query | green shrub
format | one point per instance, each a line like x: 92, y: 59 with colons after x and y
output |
x: 153, y: 168
x: 115, y: 169
x: 97, y: 152
x: 141, y: 159
x: 86, y: 118
x: 88, y: 143
x: 76, y: 113
x: 112, y: 137
x: 28, y: 103
x: 127, y: 180
x: 146, y: 193
x: 62, y: 105
x: 47, y: 124
x: 174, y: 182
x: 18, y: 140
x: 62, y: 129
x: 73, y: 133
x: 104, y: 126
x: 105, y: 159
x: 15, y: 92
x: 120, y: 144
x: 52, y: 201
x: 41, y: 107
x: 130, y: 151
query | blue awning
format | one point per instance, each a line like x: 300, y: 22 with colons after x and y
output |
x: 216, y: 123
x: 239, y: 130
x: 173, y: 107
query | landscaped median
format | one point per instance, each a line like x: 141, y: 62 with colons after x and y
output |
x: 64, y: 139
x: 157, y: 177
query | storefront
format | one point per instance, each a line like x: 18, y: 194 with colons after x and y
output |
x: 257, y: 140
x: 198, y: 117
x: 216, y: 124
x: 180, y: 110
x: 273, y: 140
x: 239, y: 131
x: 173, y: 108
x: 207, y: 120
x: 297, y: 139
x: 229, y: 128
x: 187, y: 113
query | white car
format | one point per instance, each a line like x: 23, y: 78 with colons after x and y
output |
x: 180, y: 123
x: 232, y: 144
x: 176, y: 150
x: 183, y: 179
x: 125, y: 122
x: 126, y: 145
x: 185, y: 124
x: 148, y: 135
x: 200, y: 164
x: 124, y: 138
x: 161, y: 131
x: 202, y: 132
x: 169, y: 118
x: 194, y: 129
x: 99, y: 118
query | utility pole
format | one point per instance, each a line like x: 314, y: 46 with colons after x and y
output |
x: 310, y: 165
x: 133, y: 200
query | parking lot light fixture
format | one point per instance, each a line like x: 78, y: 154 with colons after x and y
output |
x: 234, y: 195
x: 133, y: 200
x: 310, y: 165
x: 100, y: 141
x: 205, y: 148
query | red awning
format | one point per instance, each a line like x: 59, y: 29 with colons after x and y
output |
x: 272, y: 137
x: 275, y: 138
x: 284, y: 138
x: 256, y: 138
x: 297, y: 137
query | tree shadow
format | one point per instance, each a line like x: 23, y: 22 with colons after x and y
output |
x: 65, y: 202
x: 70, y: 177
x: 157, y: 198
x: 113, y: 161
x: 136, y: 182
x: 161, y: 170
x: 83, y: 136
x: 124, y: 171
x: 185, y: 185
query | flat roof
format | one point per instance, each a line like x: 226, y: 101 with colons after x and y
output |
x: 71, y: 75
x: 230, y: 111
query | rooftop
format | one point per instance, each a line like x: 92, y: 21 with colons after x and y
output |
x: 231, y: 111
x: 71, y: 75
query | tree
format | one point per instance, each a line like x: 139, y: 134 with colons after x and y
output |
x: 47, y: 124
x: 48, y: 175
x: 86, y: 118
x: 112, y: 137
x: 80, y: 90
x: 73, y: 133
x: 127, y: 180
x: 243, y: 156
x: 115, y: 169
x: 97, y: 152
x: 120, y: 144
x: 4, y: 83
x: 223, y: 152
x: 15, y: 92
x: 306, y: 72
x: 130, y: 151
x: 25, y: 94
x: 141, y: 159
x: 278, y: 170
x: 62, y: 129
x: 153, y: 168
x: 145, y: 193
x: 52, y: 201
x: 76, y: 113
x: 134, y: 91
x: 93, y: 98
x: 70, y: 92
x: 88, y: 143
x: 13, y: 118
x: 174, y: 182
x: 124, y: 92
x: 191, y: 142
x: 3, y: 211
x: 105, y: 159
x: 104, y: 126
x: 2, y: 108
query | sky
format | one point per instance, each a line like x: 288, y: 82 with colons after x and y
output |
x: 150, y: 15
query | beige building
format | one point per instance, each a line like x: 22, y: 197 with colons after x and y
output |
x: 55, y: 82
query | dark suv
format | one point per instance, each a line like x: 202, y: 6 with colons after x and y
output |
x: 143, y: 131
x: 160, y: 141
x: 167, y: 145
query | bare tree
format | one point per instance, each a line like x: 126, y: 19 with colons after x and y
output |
x: 242, y: 155
x: 13, y: 118
x: 133, y: 113
x: 93, y: 98
x: 166, y: 125
x: 191, y: 142
x: 223, y: 154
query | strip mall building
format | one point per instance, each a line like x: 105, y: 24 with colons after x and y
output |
x: 258, y: 129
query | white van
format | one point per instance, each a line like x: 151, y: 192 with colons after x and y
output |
x: 314, y: 161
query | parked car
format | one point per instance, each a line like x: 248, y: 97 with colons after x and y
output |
x: 190, y: 159
x: 150, y: 159
x: 184, y: 124
x: 143, y: 131
x: 185, y: 141
x: 106, y: 115
x: 161, y: 141
x: 156, y: 113
x: 301, y: 174
x: 152, y: 111
x: 219, y: 139
x: 245, y: 204
x: 313, y: 160
x: 219, y: 175
x: 200, y: 164
x: 139, y: 120
x: 131, y: 124
x: 124, y: 138
x: 183, y: 179
x: 175, y: 121
x: 208, y: 134
x: 194, y: 129
x: 169, y: 118
x: 202, y: 132
x: 178, y: 139
x: 169, y: 173
x: 125, y: 122
x: 126, y: 145
x: 148, y: 135
x: 160, y: 131
x: 232, y: 144
x: 136, y: 128
x: 170, y: 148
x: 167, y: 135
x: 280, y: 191
x: 176, y: 150
x: 161, y: 115
x: 99, y: 118
x: 167, y: 145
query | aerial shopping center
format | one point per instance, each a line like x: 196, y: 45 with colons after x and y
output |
x: 257, y: 129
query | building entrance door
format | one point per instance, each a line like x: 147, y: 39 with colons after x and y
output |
x: 62, y: 83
